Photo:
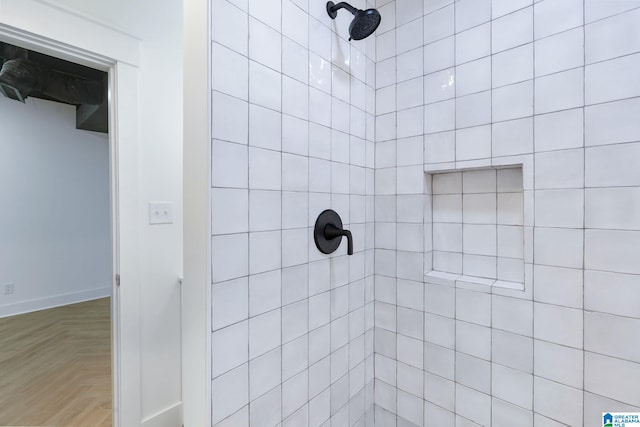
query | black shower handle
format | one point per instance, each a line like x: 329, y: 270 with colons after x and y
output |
x: 331, y: 232
x: 328, y: 233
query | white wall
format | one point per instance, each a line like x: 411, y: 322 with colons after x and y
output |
x: 55, y: 219
x: 552, y: 85
x: 159, y: 162
x: 292, y: 128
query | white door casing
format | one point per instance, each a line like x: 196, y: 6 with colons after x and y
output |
x: 44, y: 28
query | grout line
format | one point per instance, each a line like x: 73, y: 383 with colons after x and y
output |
x: 584, y: 207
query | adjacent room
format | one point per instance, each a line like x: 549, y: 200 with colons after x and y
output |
x: 55, y: 243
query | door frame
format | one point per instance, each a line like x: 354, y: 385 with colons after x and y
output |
x: 27, y: 23
x: 196, y: 289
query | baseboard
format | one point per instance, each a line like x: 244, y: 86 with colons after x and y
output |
x: 170, y: 417
x: 51, y: 302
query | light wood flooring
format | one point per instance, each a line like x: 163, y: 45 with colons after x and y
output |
x: 55, y: 367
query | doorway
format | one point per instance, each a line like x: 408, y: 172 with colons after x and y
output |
x: 56, y: 250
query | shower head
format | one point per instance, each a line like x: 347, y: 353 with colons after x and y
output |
x: 364, y: 22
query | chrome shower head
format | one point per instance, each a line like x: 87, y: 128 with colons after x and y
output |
x: 364, y: 23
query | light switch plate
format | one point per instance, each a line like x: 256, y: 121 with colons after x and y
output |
x: 160, y: 213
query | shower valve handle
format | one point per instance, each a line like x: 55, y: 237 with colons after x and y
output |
x: 328, y: 233
x: 331, y: 232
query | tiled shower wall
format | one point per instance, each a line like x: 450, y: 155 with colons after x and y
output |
x: 551, y: 85
x: 292, y: 126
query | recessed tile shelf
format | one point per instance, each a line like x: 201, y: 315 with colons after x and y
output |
x: 477, y: 227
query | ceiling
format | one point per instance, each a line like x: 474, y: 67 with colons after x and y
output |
x: 57, y: 80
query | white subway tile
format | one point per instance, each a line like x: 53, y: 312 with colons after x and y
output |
x: 560, y: 325
x: 560, y: 169
x: 512, y: 66
x: 512, y: 315
x: 265, y: 86
x: 561, y: 247
x: 230, y: 118
x: 559, y: 363
x: 473, y: 143
x: 611, y: 250
x: 229, y: 302
x: 409, y: 36
x: 502, y: 7
x: 473, y: 77
x: 295, y: 393
x: 474, y: 340
x: 230, y: 26
x: 559, y: 130
x: 264, y: 292
x: 479, y: 240
x: 439, y: 360
x: 512, y: 386
x: 439, y: 55
x: 440, y: 391
x: 559, y: 208
x: 473, y: 44
x: 558, y: 402
x: 612, y: 37
x: 479, y: 208
x: 593, y: 404
x: 613, y: 208
x: 230, y: 393
x: 612, y: 122
x: 512, y: 30
x: 603, y: 334
x: 473, y: 373
x: 595, y: 10
x: 265, y: 43
x: 612, y: 293
x: 473, y: 110
x: 559, y: 52
x: 267, y: 409
x: 503, y: 413
x: 229, y: 257
x: 512, y: 350
x: 232, y: 79
x: 439, y: 24
x: 554, y: 16
x: 512, y: 137
x: 512, y: 102
x: 510, y: 209
x: 439, y: 330
x: 473, y: 405
x: 479, y: 266
x: 230, y: 348
x: 470, y: 13
x: 510, y: 241
x: 613, y: 165
x: 410, y: 379
x: 557, y: 285
x: 598, y: 78
x: 295, y: 60
x: 439, y: 86
x: 613, y: 378
x: 229, y: 211
x: 560, y: 91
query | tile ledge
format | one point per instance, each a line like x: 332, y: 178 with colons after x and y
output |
x: 460, y: 280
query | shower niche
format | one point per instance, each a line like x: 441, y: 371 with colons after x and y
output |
x: 477, y: 230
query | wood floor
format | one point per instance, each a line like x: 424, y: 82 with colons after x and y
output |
x: 55, y: 367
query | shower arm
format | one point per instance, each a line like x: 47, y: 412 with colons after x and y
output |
x: 333, y: 8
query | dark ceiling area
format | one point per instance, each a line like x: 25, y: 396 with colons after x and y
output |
x: 26, y: 73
